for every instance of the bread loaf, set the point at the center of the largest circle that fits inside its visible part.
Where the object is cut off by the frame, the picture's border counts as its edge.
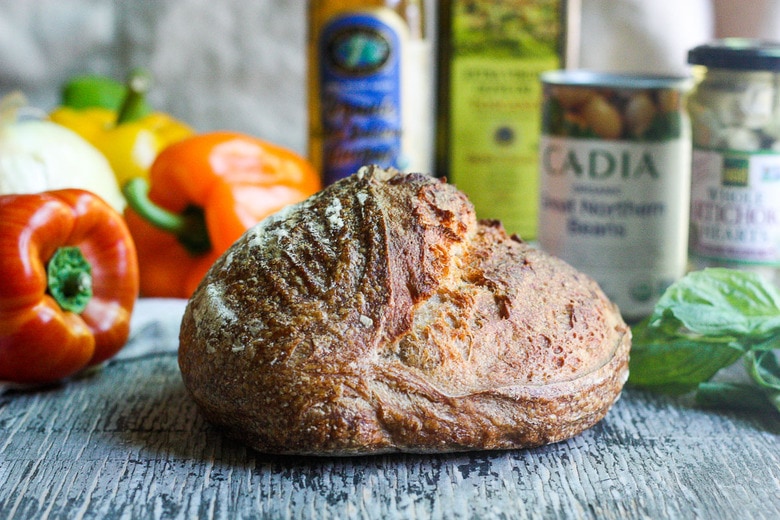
(380, 316)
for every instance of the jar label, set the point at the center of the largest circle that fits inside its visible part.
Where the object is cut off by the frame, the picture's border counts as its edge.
(735, 206)
(360, 73)
(618, 211)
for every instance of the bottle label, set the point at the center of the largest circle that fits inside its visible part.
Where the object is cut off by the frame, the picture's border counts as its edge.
(498, 51)
(494, 137)
(360, 74)
(735, 206)
(618, 211)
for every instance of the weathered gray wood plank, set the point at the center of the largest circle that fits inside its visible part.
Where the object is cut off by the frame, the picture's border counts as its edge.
(127, 442)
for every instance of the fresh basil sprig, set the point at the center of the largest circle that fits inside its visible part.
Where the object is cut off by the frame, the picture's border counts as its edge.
(703, 323)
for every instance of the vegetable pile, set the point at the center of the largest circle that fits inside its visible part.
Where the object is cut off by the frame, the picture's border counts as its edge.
(705, 323)
(105, 200)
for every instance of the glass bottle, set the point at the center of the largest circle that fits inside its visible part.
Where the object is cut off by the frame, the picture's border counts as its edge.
(370, 85)
(490, 56)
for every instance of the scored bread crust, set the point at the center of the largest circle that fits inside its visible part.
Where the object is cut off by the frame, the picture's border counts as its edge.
(379, 315)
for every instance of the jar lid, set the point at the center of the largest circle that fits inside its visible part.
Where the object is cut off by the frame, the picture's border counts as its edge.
(737, 54)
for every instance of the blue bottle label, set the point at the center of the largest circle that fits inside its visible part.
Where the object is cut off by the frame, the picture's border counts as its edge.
(360, 74)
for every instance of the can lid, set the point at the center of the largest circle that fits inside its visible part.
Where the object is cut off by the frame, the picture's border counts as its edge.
(737, 54)
(620, 80)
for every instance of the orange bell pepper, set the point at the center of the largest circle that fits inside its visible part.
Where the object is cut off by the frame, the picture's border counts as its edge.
(203, 193)
(69, 283)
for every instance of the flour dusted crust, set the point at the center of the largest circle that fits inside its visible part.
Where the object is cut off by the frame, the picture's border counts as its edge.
(380, 316)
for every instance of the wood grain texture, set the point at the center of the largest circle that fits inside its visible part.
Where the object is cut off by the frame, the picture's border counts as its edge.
(128, 442)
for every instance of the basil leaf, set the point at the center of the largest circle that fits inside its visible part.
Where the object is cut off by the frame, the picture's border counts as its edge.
(720, 301)
(774, 399)
(703, 323)
(772, 343)
(734, 396)
(764, 369)
(677, 364)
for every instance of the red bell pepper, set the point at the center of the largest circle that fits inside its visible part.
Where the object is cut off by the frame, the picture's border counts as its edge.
(70, 280)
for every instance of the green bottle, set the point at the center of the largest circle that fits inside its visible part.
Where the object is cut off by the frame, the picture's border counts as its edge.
(490, 55)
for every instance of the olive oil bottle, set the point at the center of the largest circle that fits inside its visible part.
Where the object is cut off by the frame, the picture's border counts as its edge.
(370, 85)
(490, 56)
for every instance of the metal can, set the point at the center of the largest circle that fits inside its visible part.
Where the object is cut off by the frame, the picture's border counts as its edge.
(735, 185)
(615, 162)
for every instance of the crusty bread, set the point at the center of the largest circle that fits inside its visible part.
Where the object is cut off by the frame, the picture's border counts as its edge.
(380, 316)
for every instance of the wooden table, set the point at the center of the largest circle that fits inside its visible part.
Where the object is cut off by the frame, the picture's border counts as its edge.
(127, 442)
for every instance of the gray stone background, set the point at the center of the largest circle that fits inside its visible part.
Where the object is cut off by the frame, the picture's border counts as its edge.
(241, 64)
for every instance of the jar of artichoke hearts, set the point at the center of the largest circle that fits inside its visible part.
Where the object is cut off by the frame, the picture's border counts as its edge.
(615, 159)
(735, 185)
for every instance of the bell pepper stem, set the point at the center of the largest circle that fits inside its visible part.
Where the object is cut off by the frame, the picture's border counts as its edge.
(136, 192)
(69, 277)
(134, 104)
(189, 227)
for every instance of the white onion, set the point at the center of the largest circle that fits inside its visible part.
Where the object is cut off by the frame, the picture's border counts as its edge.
(39, 155)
